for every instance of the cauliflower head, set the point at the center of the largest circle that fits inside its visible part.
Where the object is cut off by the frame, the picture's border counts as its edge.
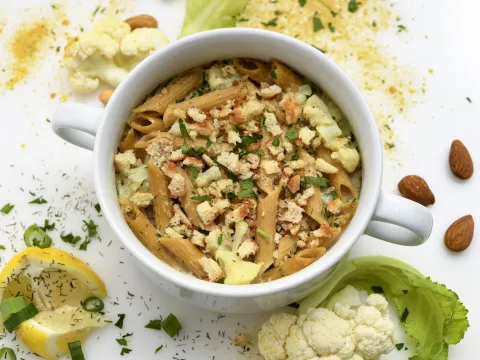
(349, 330)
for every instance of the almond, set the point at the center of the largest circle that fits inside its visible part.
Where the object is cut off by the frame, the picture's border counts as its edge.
(105, 96)
(142, 21)
(413, 187)
(460, 234)
(460, 161)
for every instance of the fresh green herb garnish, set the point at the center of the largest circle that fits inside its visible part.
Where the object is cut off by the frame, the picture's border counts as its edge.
(183, 129)
(260, 153)
(274, 74)
(91, 228)
(119, 322)
(262, 120)
(272, 22)
(7, 208)
(39, 200)
(246, 189)
(276, 142)
(334, 196)
(121, 341)
(352, 6)
(374, 23)
(185, 147)
(404, 316)
(399, 346)
(70, 238)
(154, 324)
(75, 348)
(125, 351)
(291, 133)
(16, 318)
(317, 24)
(315, 181)
(302, 2)
(98, 208)
(295, 157)
(158, 349)
(209, 143)
(469, 100)
(93, 304)
(247, 140)
(84, 244)
(34, 236)
(259, 97)
(171, 325)
(47, 226)
(220, 239)
(201, 198)
(263, 234)
(194, 171)
(219, 140)
(331, 27)
(401, 28)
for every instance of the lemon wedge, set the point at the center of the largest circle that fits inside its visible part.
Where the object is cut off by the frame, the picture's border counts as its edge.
(56, 282)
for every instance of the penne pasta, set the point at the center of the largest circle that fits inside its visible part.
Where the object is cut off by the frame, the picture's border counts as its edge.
(129, 142)
(314, 207)
(284, 77)
(178, 89)
(341, 181)
(266, 228)
(147, 234)
(145, 124)
(204, 102)
(265, 182)
(187, 253)
(296, 263)
(286, 247)
(162, 204)
(256, 70)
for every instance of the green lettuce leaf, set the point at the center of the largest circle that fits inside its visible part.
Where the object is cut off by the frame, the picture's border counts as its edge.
(201, 15)
(432, 314)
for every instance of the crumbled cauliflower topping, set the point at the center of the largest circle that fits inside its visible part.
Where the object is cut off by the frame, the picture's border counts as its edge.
(207, 212)
(248, 248)
(293, 214)
(252, 108)
(233, 137)
(125, 161)
(208, 160)
(306, 135)
(229, 160)
(141, 200)
(196, 114)
(297, 164)
(208, 176)
(198, 238)
(349, 158)
(177, 155)
(159, 149)
(307, 194)
(324, 167)
(271, 124)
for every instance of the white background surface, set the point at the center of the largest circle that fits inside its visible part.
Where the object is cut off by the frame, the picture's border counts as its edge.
(62, 174)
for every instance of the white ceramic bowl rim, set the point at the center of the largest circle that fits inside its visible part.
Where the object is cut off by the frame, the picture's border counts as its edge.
(372, 172)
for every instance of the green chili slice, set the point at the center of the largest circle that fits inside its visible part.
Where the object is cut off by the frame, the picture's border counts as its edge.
(34, 236)
(93, 304)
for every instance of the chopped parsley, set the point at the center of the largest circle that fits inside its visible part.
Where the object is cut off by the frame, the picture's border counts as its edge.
(39, 200)
(171, 325)
(219, 140)
(158, 349)
(295, 157)
(469, 100)
(331, 27)
(262, 120)
(2, 247)
(401, 28)
(220, 239)
(119, 322)
(121, 341)
(399, 346)
(248, 140)
(272, 22)
(291, 133)
(259, 97)
(302, 2)
(209, 142)
(315, 181)
(374, 23)
(98, 208)
(276, 142)
(194, 171)
(246, 189)
(154, 324)
(377, 289)
(317, 24)
(47, 226)
(263, 234)
(352, 6)
(201, 198)
(84, 244)
(274, 74)
(125, 351)
(91, 228)
(183, 128)
(260, 153)
(7, 208)
(70, 238)
(404, 316)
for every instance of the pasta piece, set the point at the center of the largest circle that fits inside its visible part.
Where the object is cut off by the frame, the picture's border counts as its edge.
(204, 102)
(255, 69)
(162, 204)
(188, 253)
(296, 263)
(284, 77)
(314, 207)
(144, 123)
(129, 142)
(264, 182)
(178, 89)
(286, 247)
(147, 234)
(341, 181)
(266, 225)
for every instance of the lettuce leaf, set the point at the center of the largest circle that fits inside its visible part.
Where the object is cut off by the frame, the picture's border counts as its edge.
(201, 15)
(431, 313)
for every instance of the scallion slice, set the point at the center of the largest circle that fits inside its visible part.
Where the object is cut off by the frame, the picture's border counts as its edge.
(93, 304)
(263, 233)
(7, 354)
(171, 325)
(76, 350)
(34, 236)
(12, 305)
(20, 316)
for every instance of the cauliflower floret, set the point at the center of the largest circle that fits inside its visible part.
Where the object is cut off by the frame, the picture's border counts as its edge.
(318, 114)
(293, 213)
(218, 79)
(271, 124)
(348, 157)
(297, 164)
(324, 167)
(270, 91)
(206, 212)
(270, 166)
(297, 346)
(273, 336)
(248, 247)
(306, 135)
(139, 44)
(141, 199)
(237, 271)
(124, 161)
(196, 114)
(198, 238)
(177, 186)
(135, 179)
(211, 240)
(229, 160)
(253, 160)
(208, 176)
(211, 267)
(111, 26)
(233, 137)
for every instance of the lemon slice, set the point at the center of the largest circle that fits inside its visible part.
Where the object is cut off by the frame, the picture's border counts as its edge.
(56, 282)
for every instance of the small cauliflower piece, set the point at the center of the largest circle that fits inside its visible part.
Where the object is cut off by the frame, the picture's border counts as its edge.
(270, 166)
(206, 212)
(233, 137)
(297, 164)
(141, 199)
(218, 79)
(297, 346)
(253, 160)
(248, 248)
(208, 160)
(126, 160)
(171, 233)
(196, 114)
(324, 167)
(241, 230)
(112, 26)
(273, 336)
(177, 186)
(211, 267)
(206, 177)
(198, 238)
(135, 179)
(271, 91)
(211, 240)
(139, 44)
(349, 158)
(306, 135)
(238, 272)
(271, 124)
(319, 116)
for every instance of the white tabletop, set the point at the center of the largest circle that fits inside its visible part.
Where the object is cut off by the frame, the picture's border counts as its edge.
(441, 36)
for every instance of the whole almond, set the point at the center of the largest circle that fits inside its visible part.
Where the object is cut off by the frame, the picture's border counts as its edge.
(413, 187)
(142, 21)
(460, 160)
(105, 96)
(460, 234)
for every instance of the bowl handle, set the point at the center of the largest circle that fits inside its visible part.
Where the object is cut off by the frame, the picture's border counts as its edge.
(77, 123)
(400, 221)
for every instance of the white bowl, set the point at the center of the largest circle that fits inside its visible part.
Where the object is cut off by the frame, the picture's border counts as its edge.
(383, 216)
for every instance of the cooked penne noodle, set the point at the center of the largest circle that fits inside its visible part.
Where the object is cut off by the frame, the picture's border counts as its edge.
(162, 204)
(187, 253)
(341, 181)
(129, 142)
(294, 264)
(266, 225)
(180, 87)
(265, 182)
(256, 70)
(145, 124)
(204, 102)
(314, 207)
(284, 77)
(286, 247)
(147, 234)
